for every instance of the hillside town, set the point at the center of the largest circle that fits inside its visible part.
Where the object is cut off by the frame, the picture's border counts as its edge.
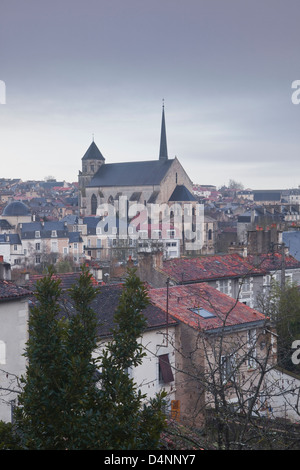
(250, 239)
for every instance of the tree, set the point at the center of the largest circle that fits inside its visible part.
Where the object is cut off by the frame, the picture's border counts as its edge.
(62, 406)
(232, 184)
(282, 305)
(134, 425)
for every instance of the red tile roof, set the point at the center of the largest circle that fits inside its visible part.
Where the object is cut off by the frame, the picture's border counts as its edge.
(9, 291)
(206, 268)
(226, 310)
(273, 261)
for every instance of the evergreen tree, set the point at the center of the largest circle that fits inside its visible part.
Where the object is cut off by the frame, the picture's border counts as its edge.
(134, 425)
(62, 406)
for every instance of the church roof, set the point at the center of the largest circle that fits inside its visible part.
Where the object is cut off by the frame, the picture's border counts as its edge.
(93, 153)
(143, 173)
(181, 193)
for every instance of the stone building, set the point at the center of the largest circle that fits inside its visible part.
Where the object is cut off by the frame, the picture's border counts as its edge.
(146, 182)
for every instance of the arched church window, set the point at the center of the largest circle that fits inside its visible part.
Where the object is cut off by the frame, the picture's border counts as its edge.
(210, 234)
(94, 205)
(110, 200)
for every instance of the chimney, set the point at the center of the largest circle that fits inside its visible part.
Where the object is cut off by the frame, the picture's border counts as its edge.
(5, 270)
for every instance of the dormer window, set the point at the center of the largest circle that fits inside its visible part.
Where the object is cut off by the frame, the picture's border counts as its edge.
(53, 233)
(37, 234)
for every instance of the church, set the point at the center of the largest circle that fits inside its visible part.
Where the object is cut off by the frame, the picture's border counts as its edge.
(159, 181)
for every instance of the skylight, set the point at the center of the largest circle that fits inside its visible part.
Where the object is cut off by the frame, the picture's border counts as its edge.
(202, 312)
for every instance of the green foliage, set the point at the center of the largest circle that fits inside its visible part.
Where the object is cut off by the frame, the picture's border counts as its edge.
(285, 311)
(8, 438)
(134, 426)
(61, 406)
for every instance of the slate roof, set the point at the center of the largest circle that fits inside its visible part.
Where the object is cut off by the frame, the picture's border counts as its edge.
(145, 173)
(181, 193)
(226, 310)
(28, 229)
(75, 237)
(93, 153)
(292, 241)
(16, 208)
(9, 291)
(107, 302)
(11, 238)
(67, 280)
(208, 268)
(267, 195)
(5, 225)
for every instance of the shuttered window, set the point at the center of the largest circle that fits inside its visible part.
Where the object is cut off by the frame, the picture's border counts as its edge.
(165, 371)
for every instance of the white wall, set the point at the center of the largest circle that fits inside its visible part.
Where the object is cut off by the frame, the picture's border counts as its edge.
(284, 390)
(14, 334)
(146, 375)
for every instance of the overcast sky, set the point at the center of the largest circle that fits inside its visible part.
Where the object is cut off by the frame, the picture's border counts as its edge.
(224, 68)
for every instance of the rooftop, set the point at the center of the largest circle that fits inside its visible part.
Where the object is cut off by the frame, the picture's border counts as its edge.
(9, 291)
(203, 307)
(144, 173)
(205, 268)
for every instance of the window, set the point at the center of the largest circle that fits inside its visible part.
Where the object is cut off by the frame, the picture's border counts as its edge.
(210, 234)
(251, 348)
(224, 286)
(54, 247)
(165, 374)
(94, 205)
(37, 246)
(245, 284)
(37, 259)
(53, 233)
(203, 313)
(15, 247)
(2, 352)
(37, 234)
(99, 242)
(227, 368)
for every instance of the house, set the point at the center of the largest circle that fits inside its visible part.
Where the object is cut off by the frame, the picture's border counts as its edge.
(11, 249)
(44, 242)
(14, 311)
(230, 274)
(16, 213)
(267, 197)
(157, 370)
(218, 343)
(279, 267)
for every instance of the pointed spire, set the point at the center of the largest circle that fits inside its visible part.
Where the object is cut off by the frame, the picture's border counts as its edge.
(163, 151)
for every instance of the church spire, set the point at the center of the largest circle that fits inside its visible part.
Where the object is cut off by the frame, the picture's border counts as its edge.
(163, 151)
